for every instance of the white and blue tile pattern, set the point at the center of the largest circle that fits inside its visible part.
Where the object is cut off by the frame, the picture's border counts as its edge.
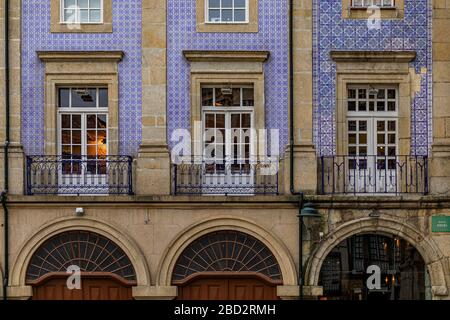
(126, 37)
(331, 32)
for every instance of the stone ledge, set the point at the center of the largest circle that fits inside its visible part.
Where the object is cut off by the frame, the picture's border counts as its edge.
(373, 56)
(221, 56)
(77, 56)
(155, 293)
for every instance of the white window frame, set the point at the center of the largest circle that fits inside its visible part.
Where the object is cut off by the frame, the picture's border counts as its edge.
(83, 112)
(368, 3)
(207, 21)
(77, 21)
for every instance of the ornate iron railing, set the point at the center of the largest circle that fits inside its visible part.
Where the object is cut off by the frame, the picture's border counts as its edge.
(373, 174)
(77, 175)
(201, 177)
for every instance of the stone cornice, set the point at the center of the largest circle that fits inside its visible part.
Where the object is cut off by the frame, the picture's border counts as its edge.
(80, 56)
(373, 56)
(225, 56)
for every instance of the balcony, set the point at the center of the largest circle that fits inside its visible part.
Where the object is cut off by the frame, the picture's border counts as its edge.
(203, 178)
(359, 175)
(79, 175)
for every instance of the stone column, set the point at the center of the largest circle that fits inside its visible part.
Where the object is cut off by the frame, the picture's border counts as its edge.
(305, 161)
(16, 156)
(440, 156)
(153, 162)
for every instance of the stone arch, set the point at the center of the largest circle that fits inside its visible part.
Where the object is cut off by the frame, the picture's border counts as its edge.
(20, 266)
(427, 248)
(194, 232)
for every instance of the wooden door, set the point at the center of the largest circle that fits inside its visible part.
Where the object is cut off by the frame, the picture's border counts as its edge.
(227, 289)
(91, 289)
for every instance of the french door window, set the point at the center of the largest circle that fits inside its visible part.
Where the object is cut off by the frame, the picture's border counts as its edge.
(83, 123)
(81, 11)
(368, 3)
(372, 135)
(227, 123)
(223, 11)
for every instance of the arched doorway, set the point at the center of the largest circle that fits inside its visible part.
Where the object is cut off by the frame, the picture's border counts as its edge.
(106, 271)
(227, 265)
(403, 273)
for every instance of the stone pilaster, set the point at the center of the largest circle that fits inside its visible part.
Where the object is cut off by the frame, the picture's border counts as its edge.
(16, 156)
(440, 157)
(305, 160)
(153, 163)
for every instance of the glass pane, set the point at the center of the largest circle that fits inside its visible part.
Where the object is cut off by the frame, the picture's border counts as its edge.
(381, 94)
(227, 15)
(65, 121)
(248, 99)
(227, 3)
(363, 151)
(239, 15)
(351, 93)
(76, 150)
(362, 125)
(63, 98)
(95, 4)
(214, 15)
(91, 137)
(235, 121)
(220, 121)
(239, 3)
(76, 121)
(352, 150)
(214, 3)
(101, 150)
(381, 151)
(381, 106)
(363, 138)
(392, 151)
(381, 139)
(69, 3)
(223, 98)
(92, 150)
(381, 126)
(70, 15)
(84, 16)
(236, 97)
(246, 123)
(391, 94)
(84, 98)
(352, 126)
(362, 94)
(103, 98)
(352, 106)
(65, 137)
(207, 97)
(209, 121)
(391, 125)
(352, 138)
(101, 137)
(391, 106)
(76, 137)
(83, 3)
(66, 150)
(94, 16)
(101, 121)
(391, 138)
(362, 106)
(92, 121)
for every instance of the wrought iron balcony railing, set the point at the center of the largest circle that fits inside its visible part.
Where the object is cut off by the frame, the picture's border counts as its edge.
(79, 175)
(373, 174)
(201, 177)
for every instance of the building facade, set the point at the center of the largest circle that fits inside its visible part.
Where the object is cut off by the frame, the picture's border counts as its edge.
(179, 149)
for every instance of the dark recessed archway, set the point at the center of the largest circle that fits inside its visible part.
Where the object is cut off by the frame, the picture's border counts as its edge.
(403, 275)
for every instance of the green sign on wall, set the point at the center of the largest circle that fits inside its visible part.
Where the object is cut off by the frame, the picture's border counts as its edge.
(440, 224)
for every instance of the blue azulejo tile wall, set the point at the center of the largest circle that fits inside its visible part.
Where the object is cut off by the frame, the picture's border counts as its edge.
(332, 32)
(126, 37)
(272, 36)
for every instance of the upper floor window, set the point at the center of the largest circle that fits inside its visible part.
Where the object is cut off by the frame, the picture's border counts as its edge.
(227, 11)
(368, 3)
(81, 11)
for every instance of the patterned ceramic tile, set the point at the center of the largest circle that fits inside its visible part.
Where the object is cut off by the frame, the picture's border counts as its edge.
(331, 32)
(272, 36)
(37, 37)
